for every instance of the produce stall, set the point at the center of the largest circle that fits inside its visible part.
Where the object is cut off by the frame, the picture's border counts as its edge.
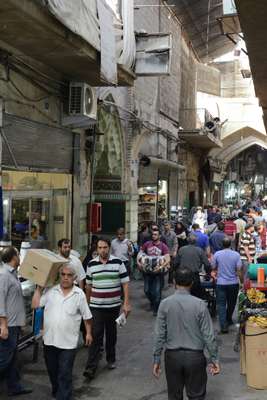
(253, 327)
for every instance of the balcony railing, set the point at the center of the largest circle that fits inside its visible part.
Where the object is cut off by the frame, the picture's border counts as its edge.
(199, 119)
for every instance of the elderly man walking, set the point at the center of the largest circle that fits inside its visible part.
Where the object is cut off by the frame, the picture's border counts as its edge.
(184, 327)
(65, 305)
(12, 318)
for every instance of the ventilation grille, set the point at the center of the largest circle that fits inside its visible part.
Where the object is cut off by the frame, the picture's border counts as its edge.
(75, 100)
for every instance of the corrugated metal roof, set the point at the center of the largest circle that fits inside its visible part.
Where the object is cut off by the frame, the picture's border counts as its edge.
(199, 19)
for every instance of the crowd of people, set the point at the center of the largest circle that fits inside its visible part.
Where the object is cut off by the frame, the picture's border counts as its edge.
(217, 245)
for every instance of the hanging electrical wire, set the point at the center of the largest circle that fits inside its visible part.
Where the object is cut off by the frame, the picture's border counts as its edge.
(36, 100)
(32, 106)
(208, 31)
(146, 124)
(37, 71)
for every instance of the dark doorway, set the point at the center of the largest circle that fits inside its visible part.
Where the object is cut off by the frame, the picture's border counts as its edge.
(192, 199)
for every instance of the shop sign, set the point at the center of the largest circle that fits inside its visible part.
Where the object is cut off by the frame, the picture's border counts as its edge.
(110, 196)
(59, 219)
(107, 186)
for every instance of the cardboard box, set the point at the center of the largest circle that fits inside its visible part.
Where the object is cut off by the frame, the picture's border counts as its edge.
(41, 267)
(256, 356)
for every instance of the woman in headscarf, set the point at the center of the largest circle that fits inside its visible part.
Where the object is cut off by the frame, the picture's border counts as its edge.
(181, 233)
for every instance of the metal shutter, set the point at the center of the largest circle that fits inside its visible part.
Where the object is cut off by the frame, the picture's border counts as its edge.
(36, 146)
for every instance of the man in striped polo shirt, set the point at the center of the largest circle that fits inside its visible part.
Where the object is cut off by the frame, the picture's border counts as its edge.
(105, 277)
(247, 247)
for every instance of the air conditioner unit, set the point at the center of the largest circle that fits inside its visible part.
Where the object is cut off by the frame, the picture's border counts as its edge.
(82, 106)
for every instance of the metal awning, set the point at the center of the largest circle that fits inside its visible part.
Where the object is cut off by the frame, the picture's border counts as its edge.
(165, 164)
(199, 139)
(156, 168)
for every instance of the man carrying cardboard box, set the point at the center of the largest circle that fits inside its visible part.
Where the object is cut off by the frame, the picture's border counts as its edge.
(12, 318)
(65, 305)
(64, 247)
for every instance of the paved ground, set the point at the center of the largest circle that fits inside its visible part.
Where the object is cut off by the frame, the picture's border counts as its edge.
(133, 380)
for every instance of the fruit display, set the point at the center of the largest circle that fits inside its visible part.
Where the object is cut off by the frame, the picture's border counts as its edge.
(259, 320)
(255, 296)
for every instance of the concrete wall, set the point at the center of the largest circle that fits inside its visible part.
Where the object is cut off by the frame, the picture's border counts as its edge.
(154, 95)
(238, 103)
(208, 79)
(188, 86)
(232, 82)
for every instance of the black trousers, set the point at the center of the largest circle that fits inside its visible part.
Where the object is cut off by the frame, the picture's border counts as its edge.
(171, 271)
(196, 289)
(104, 322)
(186, 369)
(226, 301)
(8, 351)
(59, 364)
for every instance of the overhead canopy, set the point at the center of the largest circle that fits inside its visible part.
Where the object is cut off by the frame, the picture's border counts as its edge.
(199, 19)
(79, 16)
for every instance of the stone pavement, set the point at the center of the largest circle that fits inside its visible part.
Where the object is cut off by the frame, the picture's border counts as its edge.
(132, 380)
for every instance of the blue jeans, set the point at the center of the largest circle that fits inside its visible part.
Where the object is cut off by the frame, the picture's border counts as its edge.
(226, 302)
(152, 289)
(59, 364)
(8, 350)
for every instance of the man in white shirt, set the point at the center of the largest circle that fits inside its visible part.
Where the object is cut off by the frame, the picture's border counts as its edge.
(240, 228)
(64, 248)
(65, 305)
(122, 248)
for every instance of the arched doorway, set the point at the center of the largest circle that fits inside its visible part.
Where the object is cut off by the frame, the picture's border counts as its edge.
(109, 168)
(243, 159)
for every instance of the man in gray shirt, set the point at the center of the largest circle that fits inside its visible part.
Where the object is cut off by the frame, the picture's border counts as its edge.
(194, 258)
(12, 318)
(185, 328)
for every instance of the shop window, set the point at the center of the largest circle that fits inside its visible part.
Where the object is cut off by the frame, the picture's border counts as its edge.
(36, 208)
